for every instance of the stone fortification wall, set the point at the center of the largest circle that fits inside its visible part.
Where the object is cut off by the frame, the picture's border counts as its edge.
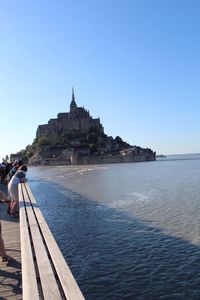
(92, 160)
(87, 160)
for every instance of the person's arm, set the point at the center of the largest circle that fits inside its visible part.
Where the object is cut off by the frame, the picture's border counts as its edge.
(21, 175)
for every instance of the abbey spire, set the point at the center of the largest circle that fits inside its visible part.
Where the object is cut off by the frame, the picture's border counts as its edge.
(73, 102)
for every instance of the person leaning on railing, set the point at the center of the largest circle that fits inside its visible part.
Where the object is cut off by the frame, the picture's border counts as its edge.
(13, 169)
(19, 176)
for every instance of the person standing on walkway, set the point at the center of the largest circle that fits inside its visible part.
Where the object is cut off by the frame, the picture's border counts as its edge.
(15, 166)
(4, 257)
(19, 176)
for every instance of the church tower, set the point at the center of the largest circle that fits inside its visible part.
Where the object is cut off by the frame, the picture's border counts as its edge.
(73, 105)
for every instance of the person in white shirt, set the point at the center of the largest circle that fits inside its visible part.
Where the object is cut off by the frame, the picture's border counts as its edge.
(19, 176)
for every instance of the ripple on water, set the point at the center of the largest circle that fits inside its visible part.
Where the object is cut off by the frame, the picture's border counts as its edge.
(128, 236)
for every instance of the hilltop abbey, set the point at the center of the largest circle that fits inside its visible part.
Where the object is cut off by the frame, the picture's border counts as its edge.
(76, 121)
(75, 137)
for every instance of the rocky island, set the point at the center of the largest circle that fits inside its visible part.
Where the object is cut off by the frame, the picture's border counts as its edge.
(75, 137)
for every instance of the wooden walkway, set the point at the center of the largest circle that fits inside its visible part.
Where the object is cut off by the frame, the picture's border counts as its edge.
(10, 273)
(40, 253)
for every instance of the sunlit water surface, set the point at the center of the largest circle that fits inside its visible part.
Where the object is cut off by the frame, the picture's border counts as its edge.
(127, 231)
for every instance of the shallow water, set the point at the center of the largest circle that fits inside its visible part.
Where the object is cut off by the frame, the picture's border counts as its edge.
(127, 231)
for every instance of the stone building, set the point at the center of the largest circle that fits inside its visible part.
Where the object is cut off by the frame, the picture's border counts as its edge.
(75, 137)
(76, 121)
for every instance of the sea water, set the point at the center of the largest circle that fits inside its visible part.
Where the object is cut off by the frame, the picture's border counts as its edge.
(127, 231)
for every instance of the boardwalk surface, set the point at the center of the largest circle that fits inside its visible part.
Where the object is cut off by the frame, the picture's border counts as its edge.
(10, 273)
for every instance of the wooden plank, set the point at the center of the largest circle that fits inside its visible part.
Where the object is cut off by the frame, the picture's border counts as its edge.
(21, 198)
(69, 284)
(22, 215)
(29, 280)
(31, 217)
(29, 283)
(25, 196)
(31, 197)
(48, 281)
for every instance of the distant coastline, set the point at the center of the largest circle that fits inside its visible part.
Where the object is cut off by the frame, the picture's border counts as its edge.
(191, 156)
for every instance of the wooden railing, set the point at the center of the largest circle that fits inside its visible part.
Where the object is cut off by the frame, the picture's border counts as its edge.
(45, 273)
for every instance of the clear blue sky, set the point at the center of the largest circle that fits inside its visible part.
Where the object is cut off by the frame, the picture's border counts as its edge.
(134, 64)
